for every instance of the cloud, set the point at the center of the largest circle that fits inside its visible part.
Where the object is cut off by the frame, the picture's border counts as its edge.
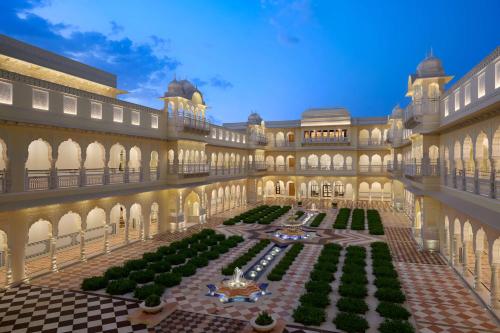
(221, 83)
(288, 39)
(142, 68)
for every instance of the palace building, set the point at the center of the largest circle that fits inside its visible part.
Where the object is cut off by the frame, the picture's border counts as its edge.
(83, 172)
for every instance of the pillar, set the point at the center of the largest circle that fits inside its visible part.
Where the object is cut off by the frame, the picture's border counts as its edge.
(83, 256)
(106, 237)
(455, 250)
(495, 288)
(478, 286)
(142, 230)
(52, 253)
(465, 258)
(127, 230)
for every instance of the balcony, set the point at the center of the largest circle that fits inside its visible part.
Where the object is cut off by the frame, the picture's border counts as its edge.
(189, 169)
(36, 180)
(258, 166)
(189, 122)
(226, 171)
(325, 140)
(372, 142)
(325, 168)
(417, 168)
(481, 182)
(260, 140)
(377, 168)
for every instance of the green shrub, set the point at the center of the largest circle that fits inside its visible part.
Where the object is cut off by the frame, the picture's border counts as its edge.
(321, 275)
(385, 271)
(212, 255)
(351, 323)
(309, 315)
(318, 300)
(342, 218)
(199, 261)
(390, 295)
(352, 305)
(317, 220)
(354, 278)
(152, 256)
(147, 290)
(400, 326)
(94, 283)
(358, 219)
(142, 276)
(318, 287)
(200, 247)
(152, 300)
(393, 311)
(353, 290)
(120, 287)
(176, 259)
(166, 250)
(282, 267)
(387, 282)
(135, 265)
(159, 266)
(114, 273)
(168, 279)
(187, 269)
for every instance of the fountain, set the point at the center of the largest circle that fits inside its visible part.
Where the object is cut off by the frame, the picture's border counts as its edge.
(237, 289)
(292, 229)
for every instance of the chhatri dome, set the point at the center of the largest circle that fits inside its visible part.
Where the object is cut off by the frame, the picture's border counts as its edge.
(254, 119)
(430, 66)
(183, 88)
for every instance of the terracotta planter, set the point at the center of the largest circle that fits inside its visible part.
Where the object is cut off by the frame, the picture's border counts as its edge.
(151, 309)
(263, 328)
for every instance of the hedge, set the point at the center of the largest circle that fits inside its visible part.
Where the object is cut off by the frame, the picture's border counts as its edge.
(400, 326)
(351, 322)
(342, 218)
(393, 311)
(147, 290)
(358, 219)
(282, 267)
(246, 257)
(318, 219)
(375, 225)
(120, 287)
(94, 283)
(309, 315)
(352, 305)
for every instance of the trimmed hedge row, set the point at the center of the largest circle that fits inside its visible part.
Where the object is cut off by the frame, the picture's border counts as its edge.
(263, 215)
(375, 225)
(317, 220)
(358, 219)
(353, 291)
(389, 291)
(342, 218)
(246, 257)
(311, 310)
(151, 274)
(282, 267)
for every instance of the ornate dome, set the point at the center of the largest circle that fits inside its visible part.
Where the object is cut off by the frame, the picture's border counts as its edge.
(430, 66)
(254, 119)
(182, 88)
(397, 112)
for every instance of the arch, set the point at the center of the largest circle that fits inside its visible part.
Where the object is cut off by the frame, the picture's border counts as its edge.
(325, 162)
(303, 163)
(338, 162)
(220, 200)
(303, 190)
(457, 154)
(38, 247)
(3, 155)
(134, 159)
(68, 155)
(376, 191)
(348, 162)
(117, 158)
(153, 162)
(447, 237)
(39, 155)
(192, 205)
(433, 154)
(364, 191)
(270, 162)
(376, 163)
(312, 161)
(290, 188)
(468, 154)
(364, 136)
(280, 163)
(95, 224)
(227, 198)
(376, 137)
(280, 139)
(269, 188)
(364, 163)
(69, 236)
(290, 162)
(482, 155)
(349, 194)
(495, 252)
(135, 222)
(95, 156)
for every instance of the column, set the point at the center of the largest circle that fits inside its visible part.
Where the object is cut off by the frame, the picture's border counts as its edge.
(83, 256)
(52, 253)
(493, 192)
(478, 286)
(106, 237)
(465, 258)
(476, 176)
(455, 250)
(142, 231)
(495, 288)
(127, 230)
(9, 266)
(83, 156)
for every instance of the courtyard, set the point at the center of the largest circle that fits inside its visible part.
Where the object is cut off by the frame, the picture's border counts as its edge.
(435, 298)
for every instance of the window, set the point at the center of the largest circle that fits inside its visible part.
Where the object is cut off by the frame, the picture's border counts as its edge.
(467, 94)
(5, 92)
(40, 99)
(481, 89)
(446, 110)
(497, 74)
(154, 121)
(327, 190)
(117, 114)
(278, 189)
(95, 110)
(457, 100)
(314, 190)
(69, 105)
(135, 118)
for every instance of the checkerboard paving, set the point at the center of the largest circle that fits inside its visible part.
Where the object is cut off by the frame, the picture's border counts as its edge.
(27, 308)
(190, 322)
(438, 298)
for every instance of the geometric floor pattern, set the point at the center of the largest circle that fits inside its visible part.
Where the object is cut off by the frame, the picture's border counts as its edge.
(28, 308)
(438, 299)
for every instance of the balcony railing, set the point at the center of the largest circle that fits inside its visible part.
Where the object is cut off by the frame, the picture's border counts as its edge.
(325, 168)
(376, 168)
(482, 182)
(35, 180)
(370, 142)
(226, 171)
(325, 139)
(258, 139)
(188, 121)
(417, 169)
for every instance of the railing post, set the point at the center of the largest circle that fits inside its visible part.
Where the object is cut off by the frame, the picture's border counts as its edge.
(476, 177)
(106, 175)
(493, 180)
(53, 179)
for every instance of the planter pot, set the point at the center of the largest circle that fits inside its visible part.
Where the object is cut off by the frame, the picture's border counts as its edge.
(151, 309)
(263, 328)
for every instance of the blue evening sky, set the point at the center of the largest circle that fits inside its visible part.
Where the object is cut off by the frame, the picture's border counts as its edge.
(271, 56)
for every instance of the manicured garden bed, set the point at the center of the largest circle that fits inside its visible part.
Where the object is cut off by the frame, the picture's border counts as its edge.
(375, 225)
(164, 268)
(246, 257)
(263, 215)
(358, 219)
(389, 291)
(342, 218)
(317, 220)
(282, 267)
(311, 310)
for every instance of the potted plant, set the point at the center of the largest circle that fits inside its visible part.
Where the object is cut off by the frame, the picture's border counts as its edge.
(152, 304)
(264, 322)
(299, 203)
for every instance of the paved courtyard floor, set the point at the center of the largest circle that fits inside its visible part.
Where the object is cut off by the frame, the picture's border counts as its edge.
(437, 298)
